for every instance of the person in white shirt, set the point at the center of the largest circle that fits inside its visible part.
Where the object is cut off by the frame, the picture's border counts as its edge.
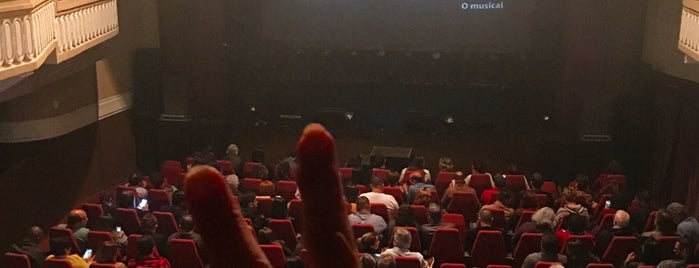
(377, 196)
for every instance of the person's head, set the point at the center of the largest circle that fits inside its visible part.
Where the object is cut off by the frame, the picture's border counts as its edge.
(621, 218)
(678, 212)
(401, 238)
(499, 181)
(279, 208)
(149, 224)
(34, 234)
(680, 250)
(106, 198)
(537, 180)
(247, 200)
(404, 215)
(549, 244)
(643, 198)
(417, 177)
(368, 243)
(283, 171)
(363, 204)
(543, 217)
(664, 223)
(266, 188)
(459, 178)
(60, 246)
(126, 199)
(178, 198)
(435, 212)
(187, 224)
(107, 252)
(477, 167)
(576, 224)
(651, 253)
(504, 197)
(583, 182)
(445, 164)
(232, 150)
(393, 178)
(367, 261)
(386, 261)
(576, 250)
(571, 197)
(266, 236)
(77, 219)
(137, 179)
(105, 223)
(512, 169)
(377, 184)
(260, 172)
(145, 245)
(486, 217)
(156, 179)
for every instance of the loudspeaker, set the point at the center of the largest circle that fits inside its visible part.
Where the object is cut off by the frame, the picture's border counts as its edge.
(396, 158)
(175, 97)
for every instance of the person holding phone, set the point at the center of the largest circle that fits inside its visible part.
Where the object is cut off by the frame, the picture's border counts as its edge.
(61, 248)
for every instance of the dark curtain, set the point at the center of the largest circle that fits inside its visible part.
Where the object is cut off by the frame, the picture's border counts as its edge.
(676, 170)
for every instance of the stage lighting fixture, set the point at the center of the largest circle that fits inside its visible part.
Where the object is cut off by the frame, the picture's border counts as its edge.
(546, 118)
(252, 108)
(449, 120)
(349, 115)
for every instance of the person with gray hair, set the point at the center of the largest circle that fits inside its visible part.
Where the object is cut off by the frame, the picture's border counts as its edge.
(620, 228)
(234, 157)
(401, 242)
(542, 221)
(687, 227)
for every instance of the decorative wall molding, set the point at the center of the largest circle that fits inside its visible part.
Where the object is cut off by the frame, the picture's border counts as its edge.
(46, 128)
(688, 41)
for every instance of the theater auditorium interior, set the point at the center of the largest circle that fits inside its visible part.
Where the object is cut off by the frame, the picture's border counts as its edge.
(95, 91)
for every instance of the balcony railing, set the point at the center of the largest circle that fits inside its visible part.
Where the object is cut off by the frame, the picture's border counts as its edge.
(34, 32)
(26, 38)
(689, 29)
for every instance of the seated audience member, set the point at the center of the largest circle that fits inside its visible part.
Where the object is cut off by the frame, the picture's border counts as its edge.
(369, 243)
(285, 168)
(541, 222)
(405, 217)
(248, 205)
(159, 182)
(266, 236)
(260, 171)
(178, 208)
(500, 184)
(126, 199)
(682, 257)
(664, 225)
(106, 200)
(77, 220)
(377, 196)
(445, 164)
(234, 158)
(418, 183)
(401, 242)
(367, 261)
(393, 179)
(548, 253)
(479, 168)
(650, 254)
(60, 249)
(485, 222)
(386, 261)
(146, 256)
(107, 254)
(536, 183)
(621, 228)
(29, 246)
(279, 209)
(571, 207)
(187, 232)
(639, 210)
(149, 225)
(350, 190)
(581, 185)
(575, 225)
(234, 184)
(434, 222)
(458, 186)
(579, 256)
(107, 223)
(364, 216)
(687, 226)
(417, 164)
(139, 183)
(502, 203)
(267, 189)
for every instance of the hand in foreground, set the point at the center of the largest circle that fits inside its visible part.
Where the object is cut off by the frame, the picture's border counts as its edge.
(230, 241)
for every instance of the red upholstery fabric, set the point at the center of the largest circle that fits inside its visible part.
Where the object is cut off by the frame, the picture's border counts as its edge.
(361, 229)
(93, 211)
(173, 172)
(489, 248)
(441, 183)
(650, 222)
(464, 204)
(551, 188)
(381, 173)
(128, 219)
(667, 246)
(226, 167)
(480, 182)
(57, 263)
(361, 188)
(248, 167)
(544, 264)
(96, 238)
(420, 213)
(166, 223)
(526, 216)
(606, 222)
(587, 240)
(251, 185)
(287, 189)
(396, 192)
(446, 246)
(452, 265)
(158, 198)
(618, 249)
(516, 183)
(528, 244)
(380, 209)
(458, 221)
(275, 254)
(183, 253)
(408, 262)
(17, 260)
(284, 230)
(345, 173)
(67, 233)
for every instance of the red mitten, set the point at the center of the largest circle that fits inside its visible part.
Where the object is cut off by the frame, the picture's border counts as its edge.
(326, 230)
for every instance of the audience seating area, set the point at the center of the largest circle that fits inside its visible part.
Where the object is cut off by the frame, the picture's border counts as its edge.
(446, 249)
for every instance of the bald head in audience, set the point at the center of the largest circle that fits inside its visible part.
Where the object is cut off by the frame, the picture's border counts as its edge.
(621, 218)
(486, 217)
